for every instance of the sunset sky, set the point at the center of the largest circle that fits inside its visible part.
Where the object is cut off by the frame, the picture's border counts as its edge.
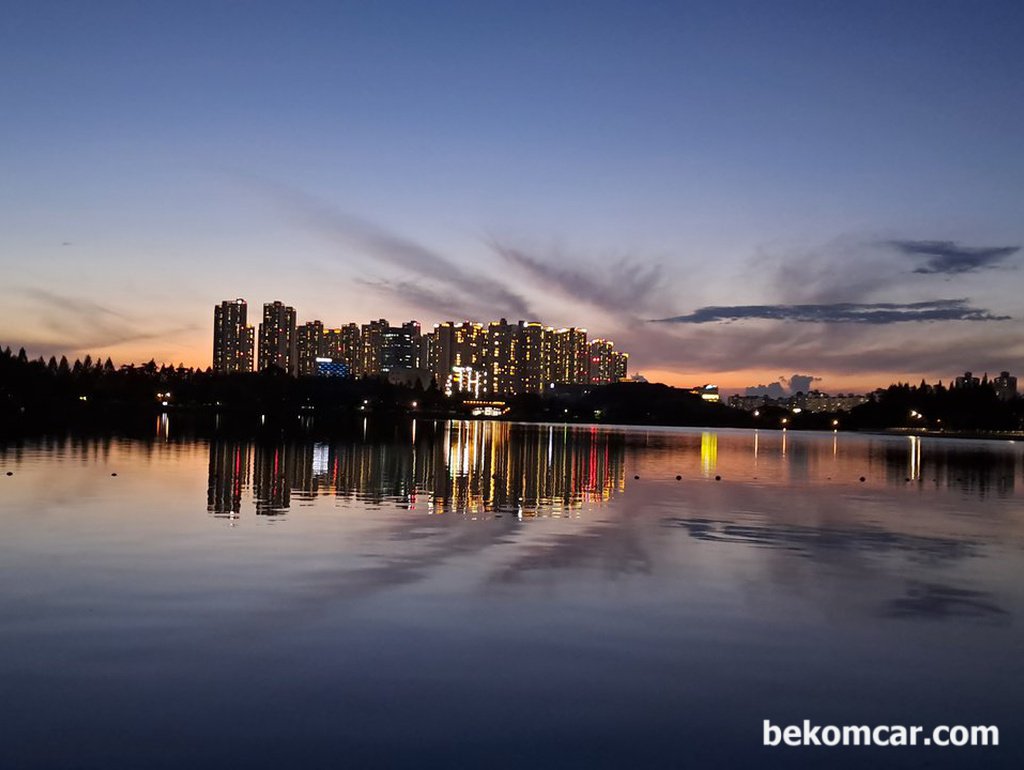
(734, 192)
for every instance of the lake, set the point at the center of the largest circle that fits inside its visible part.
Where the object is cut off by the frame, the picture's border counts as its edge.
(484, 594)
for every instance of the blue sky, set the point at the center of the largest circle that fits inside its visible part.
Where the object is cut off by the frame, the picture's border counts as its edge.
(350, 158)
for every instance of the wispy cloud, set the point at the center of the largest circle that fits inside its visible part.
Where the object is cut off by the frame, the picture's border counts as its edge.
(70, 324)
(623, 286)
(395, 250)
(951, 258)
(841, 312)
(436, 301)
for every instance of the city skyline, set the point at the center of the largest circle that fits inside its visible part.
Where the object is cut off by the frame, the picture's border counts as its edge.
(735, 194)
(482, 359)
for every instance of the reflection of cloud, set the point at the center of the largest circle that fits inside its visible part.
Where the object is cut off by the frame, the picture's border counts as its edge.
(614, 549)
(950, 258)
(939, 602)
(806, 541)
(841, 312)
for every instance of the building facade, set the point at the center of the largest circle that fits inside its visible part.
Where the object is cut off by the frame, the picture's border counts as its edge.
(309, 346)
(277, 338)
(233, 338)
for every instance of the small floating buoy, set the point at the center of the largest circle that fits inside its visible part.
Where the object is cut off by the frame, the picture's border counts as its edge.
(863, 479)
(113, 474)
(679, 478)
(636, 477)
(10, 473)
(718, 478)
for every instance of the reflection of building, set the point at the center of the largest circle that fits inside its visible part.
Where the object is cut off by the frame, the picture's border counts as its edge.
(459, 466)
(274, 474)
(1005, 386)
(277, 338)
(229, 475)
(232, 337)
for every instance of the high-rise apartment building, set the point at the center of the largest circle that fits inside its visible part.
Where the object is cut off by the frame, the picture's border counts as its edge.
(499, 359)
(456, 345)
(968, 380)
(1005, 386)
(277, 338)
(533, 357)
(232, 337)
(400, 348)
(606, 363)
(309, 346)
(352, 348)
(570, 357)
(372, 338)
(334, 344)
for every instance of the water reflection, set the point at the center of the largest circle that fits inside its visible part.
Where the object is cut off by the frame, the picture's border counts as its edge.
(494, 468)
(467, 467)
(660, 613)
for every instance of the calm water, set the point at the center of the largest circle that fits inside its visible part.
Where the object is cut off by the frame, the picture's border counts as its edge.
(489, 595)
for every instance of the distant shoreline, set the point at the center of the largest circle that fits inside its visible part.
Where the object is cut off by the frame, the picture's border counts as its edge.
(202, 421)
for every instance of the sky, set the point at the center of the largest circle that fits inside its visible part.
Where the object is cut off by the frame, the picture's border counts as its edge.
(738, 193)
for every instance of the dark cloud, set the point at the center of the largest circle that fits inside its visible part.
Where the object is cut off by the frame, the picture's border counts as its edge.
(625, 285)
(785, 386)
(950, 258)
(842, 312)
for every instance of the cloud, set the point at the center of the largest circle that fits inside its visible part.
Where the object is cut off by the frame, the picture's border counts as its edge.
(841, 312)
(626, 285)
(950, 258)
(70, 324)
(786, 386)
(397, 251)
(437, 302)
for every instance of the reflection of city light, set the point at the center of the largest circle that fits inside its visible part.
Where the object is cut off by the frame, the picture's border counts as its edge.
(915, 458)
(467, 467)
(321, 459)
(708, 452)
